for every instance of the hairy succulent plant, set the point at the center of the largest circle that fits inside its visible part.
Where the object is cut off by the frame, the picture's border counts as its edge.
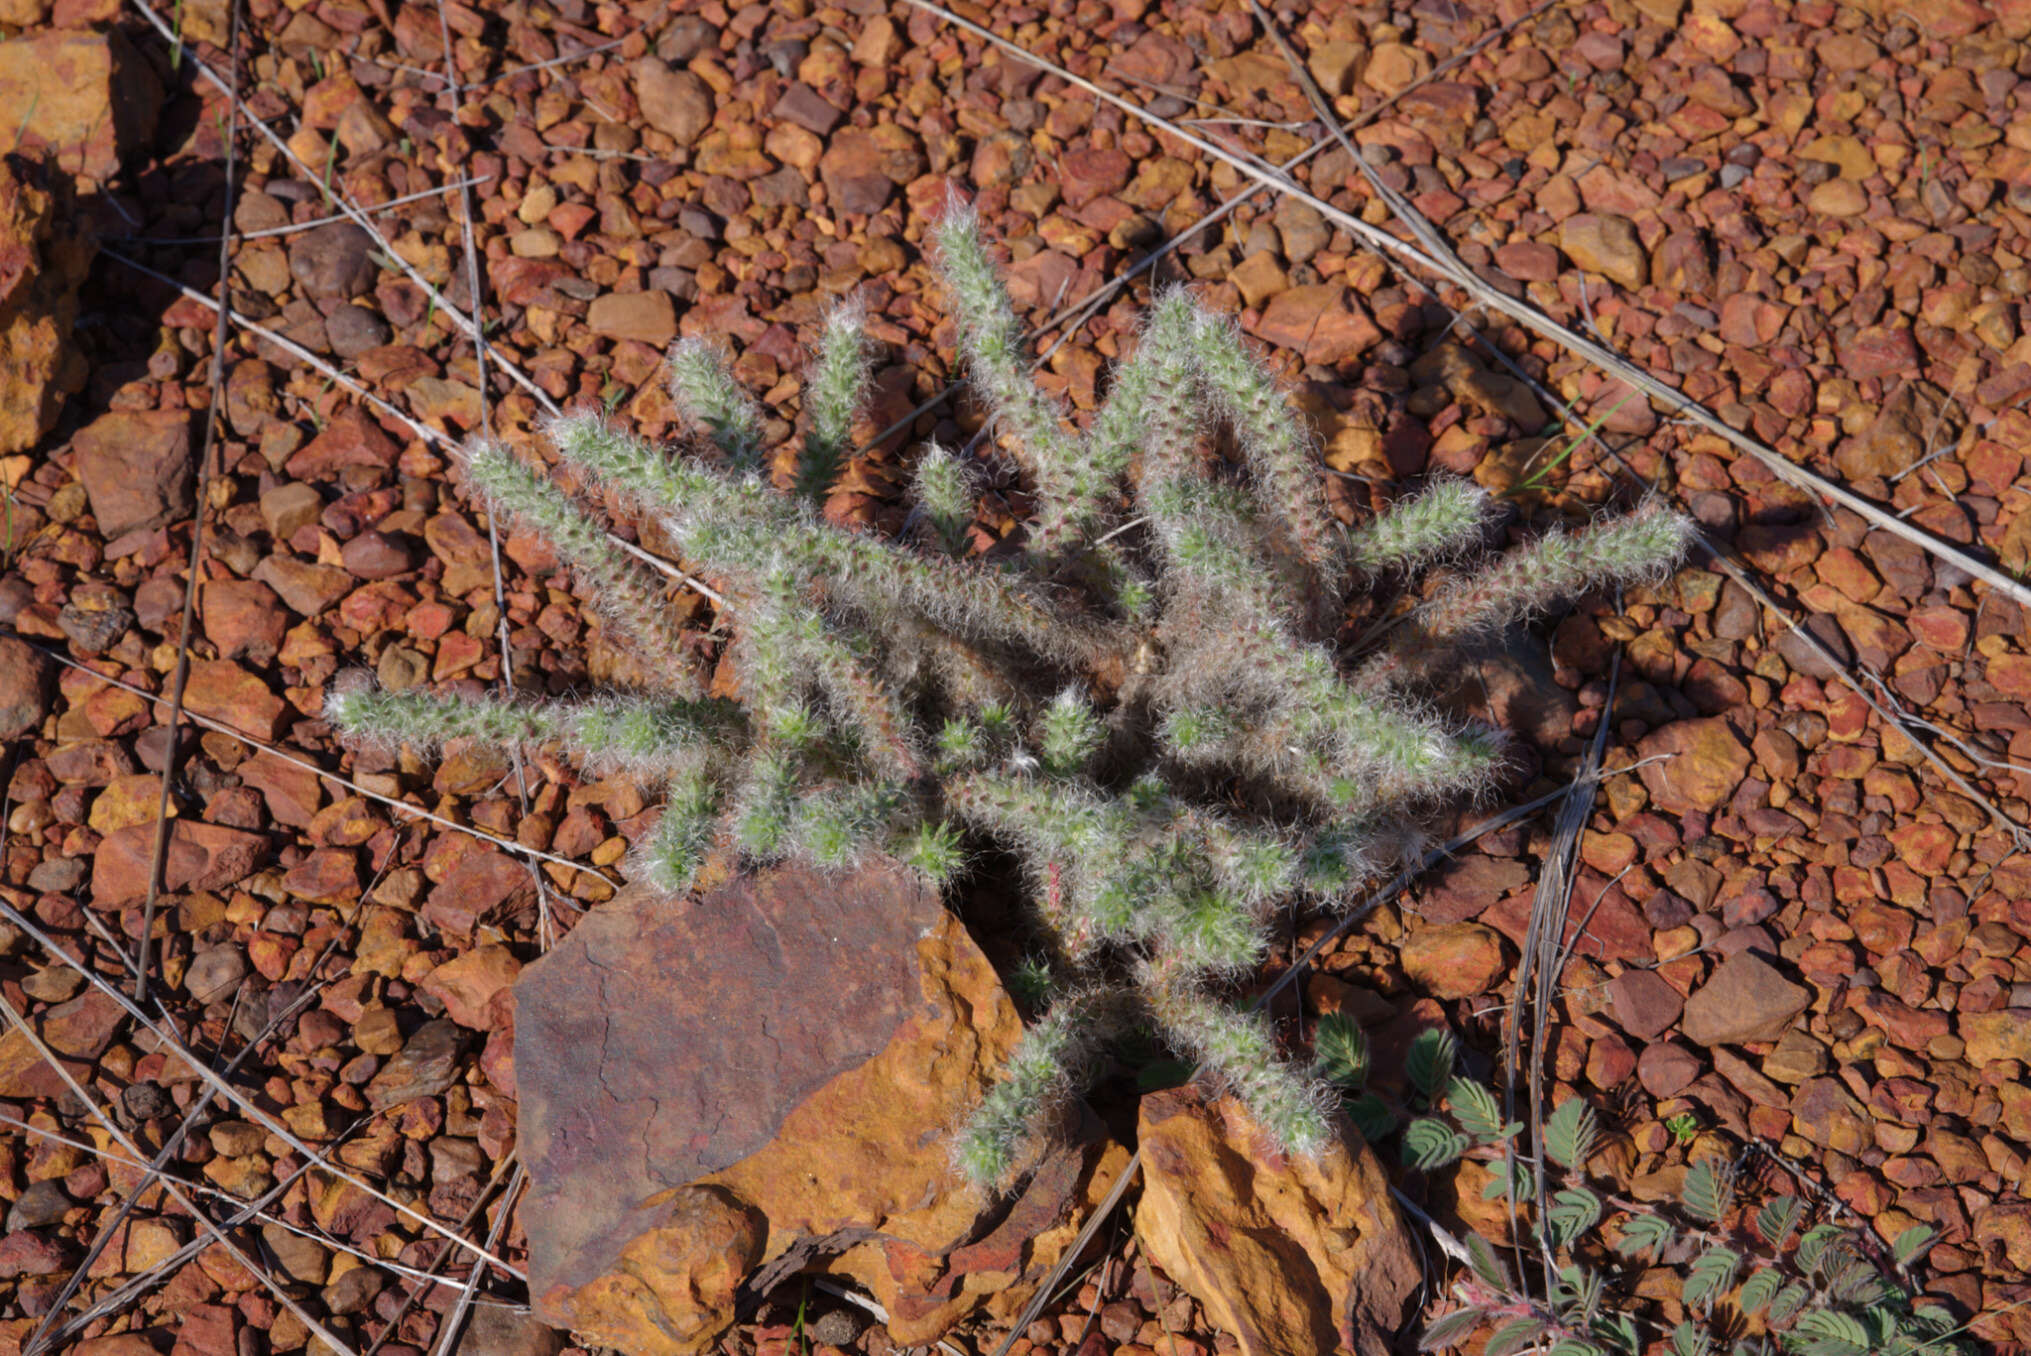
(1144, 702)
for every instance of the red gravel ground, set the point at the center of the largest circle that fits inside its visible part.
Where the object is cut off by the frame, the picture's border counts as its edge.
(1814, 219)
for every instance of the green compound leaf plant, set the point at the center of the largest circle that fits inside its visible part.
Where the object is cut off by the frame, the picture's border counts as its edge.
(1750, 1283)
(1142, 699)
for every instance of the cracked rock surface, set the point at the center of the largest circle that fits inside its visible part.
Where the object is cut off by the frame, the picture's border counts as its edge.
(762, 1076)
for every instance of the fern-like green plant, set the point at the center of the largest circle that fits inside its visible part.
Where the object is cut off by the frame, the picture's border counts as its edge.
(1144, 702)
(1766, 1288)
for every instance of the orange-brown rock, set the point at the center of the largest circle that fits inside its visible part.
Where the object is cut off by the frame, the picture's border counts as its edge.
(1696, 764)
(1285, 1254)
(1454, 960)
(41, 269)
(672, 1287)
(796, 1047)
(89, 99)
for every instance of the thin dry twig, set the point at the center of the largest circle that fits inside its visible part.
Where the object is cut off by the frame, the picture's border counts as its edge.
(507, 651)
(393, 1326)
(267, 232)
(448, 1330)
(155, 1169)
(208, 454)
(1428, 235)
(1079, 312)
(353, 214)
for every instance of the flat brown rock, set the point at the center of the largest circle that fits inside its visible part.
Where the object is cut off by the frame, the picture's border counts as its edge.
(1744, 1000)
(41, 268)
(676, 103)
(1607, 245)
(727, 1042)
(136, 466)
(1285, 1254)
(25, 683)
(2000, 1035)
(1453, 960)
(90, 97)
(200, 857)
(1702, 763)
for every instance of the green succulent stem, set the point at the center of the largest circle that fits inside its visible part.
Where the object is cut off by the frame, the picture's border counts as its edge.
(1138, 695)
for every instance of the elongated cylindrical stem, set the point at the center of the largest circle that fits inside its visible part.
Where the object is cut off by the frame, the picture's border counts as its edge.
(887, 732)
(1273, 439)
(1039, 1076)
(1070, 490)
(1638, 547)
(1442, 521)
(676, 848)
(620, 588)
(832, 398)
(652, 738)
(1241, 1049)
(707, 394)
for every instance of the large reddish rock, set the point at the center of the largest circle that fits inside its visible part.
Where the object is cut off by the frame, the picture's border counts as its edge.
(41, 268)
(88, 98)
(242, 617)
(1607, 245)
(26, 680)
(1699, 763)
(484, 884)
(768, 1076)
(1746, 999)
(862, 167)
(646, 317)
(237, 698)
(2004, 1034)
(675, 102)
(1453, 960)
(200, 857)
(1466, 887)
(1286, 1254)
(136, 468)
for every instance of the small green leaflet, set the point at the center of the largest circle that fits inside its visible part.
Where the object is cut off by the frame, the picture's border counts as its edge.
(1569, 1134)
(1517, 1182)
(1688, 1340)
(1513, 1337)
(1834, 1332)
(1573, 1212)
(1789, 1301)
(1856, 1282)
(1474, 1107)
(1644, 1233)
(1705, 1194)
(1621, 1330)
(1815, 1247)
(1911, 1243)
(1342, 1050)
(1710, 1274)
(1759, 1290)
(1576, 1288)
(1481, 1257)
(1935, 1318)
(1452, 1329)
(1429, 1061)
(1573, 1346)
(1778, 1217)
(1430, 1143)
